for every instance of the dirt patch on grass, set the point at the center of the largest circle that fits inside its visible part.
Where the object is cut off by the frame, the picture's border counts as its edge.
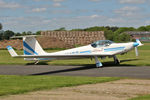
(116, 90)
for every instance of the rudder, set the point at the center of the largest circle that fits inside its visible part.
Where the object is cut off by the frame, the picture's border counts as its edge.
(32, 47)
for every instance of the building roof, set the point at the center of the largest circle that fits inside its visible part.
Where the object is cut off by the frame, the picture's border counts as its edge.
(138, 32)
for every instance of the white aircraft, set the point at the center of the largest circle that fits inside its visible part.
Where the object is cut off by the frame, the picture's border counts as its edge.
(101, 48)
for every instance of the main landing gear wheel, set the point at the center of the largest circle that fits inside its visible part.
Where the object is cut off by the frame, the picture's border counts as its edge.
(116, 60)
(36, 62)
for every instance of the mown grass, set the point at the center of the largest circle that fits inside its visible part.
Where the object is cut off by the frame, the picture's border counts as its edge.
(146, 97)
(22, 84)
(127, 59)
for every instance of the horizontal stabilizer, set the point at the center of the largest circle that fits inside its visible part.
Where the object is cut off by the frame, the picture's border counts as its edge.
(12, 51)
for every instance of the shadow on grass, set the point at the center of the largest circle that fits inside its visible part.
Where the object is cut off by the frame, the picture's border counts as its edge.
(127, 60)
(40, 63)
(112, 64)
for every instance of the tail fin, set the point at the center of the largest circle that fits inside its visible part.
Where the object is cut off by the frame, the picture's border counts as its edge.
(31, 46)
(12, 51)
(139, 42)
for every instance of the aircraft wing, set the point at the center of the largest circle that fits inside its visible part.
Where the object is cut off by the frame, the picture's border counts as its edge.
(57, 56)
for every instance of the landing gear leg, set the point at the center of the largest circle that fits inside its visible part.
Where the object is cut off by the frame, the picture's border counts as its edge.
(36, 62)
(116, 60)
(98, 63)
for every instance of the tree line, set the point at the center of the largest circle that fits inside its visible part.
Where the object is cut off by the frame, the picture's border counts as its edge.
(6, 35)
(113, 33)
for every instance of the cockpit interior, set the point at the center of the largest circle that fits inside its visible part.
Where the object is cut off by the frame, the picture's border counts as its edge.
(101, 43)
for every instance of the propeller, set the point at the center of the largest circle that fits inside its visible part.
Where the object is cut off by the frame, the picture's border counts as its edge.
(136, 44)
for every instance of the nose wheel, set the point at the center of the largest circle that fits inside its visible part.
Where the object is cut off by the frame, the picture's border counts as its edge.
(98, 63)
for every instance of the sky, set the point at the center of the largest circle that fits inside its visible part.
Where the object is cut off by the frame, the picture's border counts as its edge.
(35, 15)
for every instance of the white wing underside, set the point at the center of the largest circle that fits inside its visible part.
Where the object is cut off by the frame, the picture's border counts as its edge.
(59, 56)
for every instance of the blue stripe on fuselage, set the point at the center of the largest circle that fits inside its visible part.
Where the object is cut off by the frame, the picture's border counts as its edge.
(46, 58)
(113, 49)
(28, 47)
(86, 51)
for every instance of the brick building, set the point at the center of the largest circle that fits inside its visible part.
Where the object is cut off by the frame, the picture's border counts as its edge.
(75, 37)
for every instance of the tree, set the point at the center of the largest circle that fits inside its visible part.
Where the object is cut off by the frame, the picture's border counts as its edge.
(7, 34)
(113, 28)
(124, 37)
(61, 29)
(18, 34)
(38, 33)
(142, 28)
(1, 34)
(95, 28)
(77, 30)
(24, 33)
(123, 29)
(119, 36)
(1, 26)
(108, 35)
(148, 27)
(29, 33)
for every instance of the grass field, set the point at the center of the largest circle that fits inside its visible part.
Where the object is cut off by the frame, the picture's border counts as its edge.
(128, 59)
(21, 84)
(146, 97)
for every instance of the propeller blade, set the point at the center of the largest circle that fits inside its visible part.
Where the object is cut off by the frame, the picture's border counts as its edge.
(136, 51)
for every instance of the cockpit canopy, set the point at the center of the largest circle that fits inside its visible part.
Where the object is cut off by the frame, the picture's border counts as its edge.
(101, 43)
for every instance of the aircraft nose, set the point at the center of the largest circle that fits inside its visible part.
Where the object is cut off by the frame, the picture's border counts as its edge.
(135, 44)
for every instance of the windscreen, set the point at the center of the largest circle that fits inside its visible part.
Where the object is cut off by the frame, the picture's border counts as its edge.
(101, 43)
